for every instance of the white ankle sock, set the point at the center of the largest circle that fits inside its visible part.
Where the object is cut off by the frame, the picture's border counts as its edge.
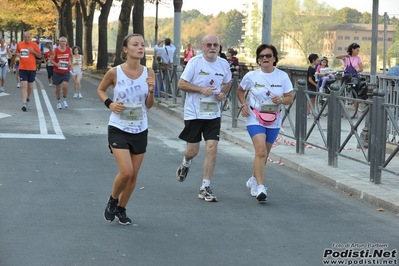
(186, 163)
(205, 183)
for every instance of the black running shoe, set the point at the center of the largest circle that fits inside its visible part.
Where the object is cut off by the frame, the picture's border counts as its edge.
(121, 215)
(111, 209)
(23, 108)
(182, 172)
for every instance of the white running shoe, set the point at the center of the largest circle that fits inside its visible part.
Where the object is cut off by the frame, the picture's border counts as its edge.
(1, 89)
(262, 194)
(75, 95)
(253, 186)
(80, 96)
(50, 84)
(64, 104)
(59, 105)
(18, 85)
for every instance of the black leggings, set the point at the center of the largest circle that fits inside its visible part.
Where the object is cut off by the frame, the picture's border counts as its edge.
(49, 71)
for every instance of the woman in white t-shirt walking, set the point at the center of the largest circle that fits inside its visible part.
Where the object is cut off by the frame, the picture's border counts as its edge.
(77, 71)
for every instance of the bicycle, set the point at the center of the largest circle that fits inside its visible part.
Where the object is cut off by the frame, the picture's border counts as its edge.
(347, 90)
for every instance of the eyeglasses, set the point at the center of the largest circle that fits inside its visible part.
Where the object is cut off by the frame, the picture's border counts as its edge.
(265, 55)
(209, 45)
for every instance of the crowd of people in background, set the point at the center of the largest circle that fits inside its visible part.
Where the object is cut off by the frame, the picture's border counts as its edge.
(25, 58)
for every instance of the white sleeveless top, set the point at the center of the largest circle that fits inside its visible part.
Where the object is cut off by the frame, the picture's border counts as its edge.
(133, 94)
(13, 47)
(3, 55)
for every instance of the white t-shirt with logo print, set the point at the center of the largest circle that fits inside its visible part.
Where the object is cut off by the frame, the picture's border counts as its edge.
(263, 87)
(206, 74)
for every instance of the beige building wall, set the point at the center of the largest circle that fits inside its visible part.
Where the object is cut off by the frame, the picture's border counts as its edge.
(337, 40)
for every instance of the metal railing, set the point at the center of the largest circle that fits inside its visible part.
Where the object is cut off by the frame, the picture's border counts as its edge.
(167, 80)
(338, 134)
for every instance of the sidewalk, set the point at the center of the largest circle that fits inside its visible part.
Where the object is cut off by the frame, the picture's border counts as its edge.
(350, 176)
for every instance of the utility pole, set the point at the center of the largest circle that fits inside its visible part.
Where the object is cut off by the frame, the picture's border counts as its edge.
(177, 31)
(267, 21)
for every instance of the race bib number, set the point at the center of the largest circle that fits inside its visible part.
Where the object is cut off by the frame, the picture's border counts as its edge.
(63, 65)
(132, 115)
(208, 106)
(268, 106)
(24, 53)
(77, 64)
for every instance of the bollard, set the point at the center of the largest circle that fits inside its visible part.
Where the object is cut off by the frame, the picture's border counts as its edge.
(333, 125)
(234, 100)
(364, 135)
(377, 136)
(300, 117)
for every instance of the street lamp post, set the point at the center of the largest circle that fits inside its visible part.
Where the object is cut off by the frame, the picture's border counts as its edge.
(155, 65)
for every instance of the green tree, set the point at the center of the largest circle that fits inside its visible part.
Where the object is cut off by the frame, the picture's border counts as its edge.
(231, 27)
(366, 18)
(347, 15)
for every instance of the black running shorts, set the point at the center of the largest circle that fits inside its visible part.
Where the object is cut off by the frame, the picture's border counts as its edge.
(135, 143)
(195, 129)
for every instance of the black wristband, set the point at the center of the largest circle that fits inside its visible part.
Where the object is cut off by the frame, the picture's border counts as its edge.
(107, 102)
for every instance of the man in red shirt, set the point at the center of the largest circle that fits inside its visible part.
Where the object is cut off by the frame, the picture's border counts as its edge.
(61, 59)
(27, 51)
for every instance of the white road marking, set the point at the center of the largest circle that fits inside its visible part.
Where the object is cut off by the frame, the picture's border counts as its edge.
(42, 119)
(2, 115)
(54, 120)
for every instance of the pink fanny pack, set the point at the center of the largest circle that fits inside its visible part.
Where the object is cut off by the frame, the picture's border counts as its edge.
(265, 118)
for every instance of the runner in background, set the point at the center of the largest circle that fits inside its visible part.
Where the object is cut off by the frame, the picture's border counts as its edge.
(77, 71)
(61, 59)
(27, 51)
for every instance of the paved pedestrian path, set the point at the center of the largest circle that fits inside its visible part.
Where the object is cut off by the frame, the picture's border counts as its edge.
(350, 176)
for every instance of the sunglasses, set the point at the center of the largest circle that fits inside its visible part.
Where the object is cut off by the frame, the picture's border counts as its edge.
(265, 55)
(209, 45)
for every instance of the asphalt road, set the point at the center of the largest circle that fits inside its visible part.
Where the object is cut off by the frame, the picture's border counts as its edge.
(55, 180)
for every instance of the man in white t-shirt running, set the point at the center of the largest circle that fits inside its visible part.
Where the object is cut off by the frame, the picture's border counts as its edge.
(205, 79)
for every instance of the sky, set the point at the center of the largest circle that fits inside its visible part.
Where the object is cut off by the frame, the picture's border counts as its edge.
(208, 7)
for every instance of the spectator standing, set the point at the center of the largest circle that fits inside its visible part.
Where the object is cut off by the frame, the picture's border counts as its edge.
(167, 52)
(128, 123)
(61, 59)
(188, 54)
(233, 60)
(27, 51)
(205, 79)
(4, 55)
(270, 89)
(49, 65)
(353, 63)
(311, 81)
(77, 71)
